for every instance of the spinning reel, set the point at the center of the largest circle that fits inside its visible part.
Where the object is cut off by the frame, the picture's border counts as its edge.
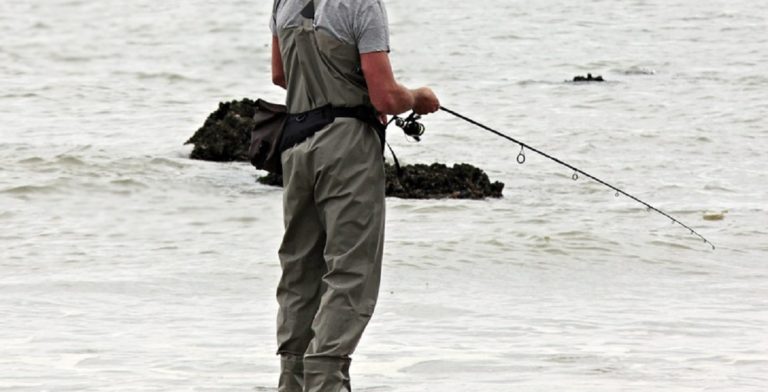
(411, 126)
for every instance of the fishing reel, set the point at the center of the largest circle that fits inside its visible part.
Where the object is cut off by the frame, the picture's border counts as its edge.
(411, 126)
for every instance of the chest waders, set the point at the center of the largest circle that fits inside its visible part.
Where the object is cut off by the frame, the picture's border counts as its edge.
(333, 205)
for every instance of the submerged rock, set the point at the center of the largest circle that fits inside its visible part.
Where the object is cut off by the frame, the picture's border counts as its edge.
(271, 179)
(225, 136)
(714, 216)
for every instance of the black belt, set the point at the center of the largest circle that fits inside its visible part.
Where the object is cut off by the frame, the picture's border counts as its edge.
(300, 126)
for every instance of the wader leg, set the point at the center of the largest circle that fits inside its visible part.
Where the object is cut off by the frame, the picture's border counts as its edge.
(327, 375)
(349, 194)
(291, 373)
(301, 259)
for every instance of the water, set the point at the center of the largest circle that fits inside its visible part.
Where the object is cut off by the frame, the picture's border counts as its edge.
(126, 266)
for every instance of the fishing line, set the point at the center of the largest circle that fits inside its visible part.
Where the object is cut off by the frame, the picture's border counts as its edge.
(576, 171)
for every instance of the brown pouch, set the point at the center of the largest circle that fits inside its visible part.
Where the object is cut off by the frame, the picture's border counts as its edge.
(264, 151)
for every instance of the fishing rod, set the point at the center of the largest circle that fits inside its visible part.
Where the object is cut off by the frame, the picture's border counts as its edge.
(576, 171)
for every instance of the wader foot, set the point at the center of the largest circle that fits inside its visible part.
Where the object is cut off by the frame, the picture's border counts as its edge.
(326, 375)
(291, 374)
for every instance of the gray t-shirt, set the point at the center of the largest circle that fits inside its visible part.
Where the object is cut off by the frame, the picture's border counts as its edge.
(362, 23)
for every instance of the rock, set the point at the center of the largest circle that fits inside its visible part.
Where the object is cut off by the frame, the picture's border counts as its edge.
(438, 181)
(588, 78)
(225, 136)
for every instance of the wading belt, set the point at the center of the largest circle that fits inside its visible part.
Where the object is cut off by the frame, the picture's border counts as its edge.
(299, 127)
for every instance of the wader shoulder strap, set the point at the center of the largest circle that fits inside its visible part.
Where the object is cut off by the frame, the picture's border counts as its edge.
(274, 8)
(309, 10)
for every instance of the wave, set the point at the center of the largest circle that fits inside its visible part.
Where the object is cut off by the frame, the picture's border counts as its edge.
(531, 82)
(168, 163)
(22, 190)
(635, 70)
(19, 95)
(129, 183)
(31, 161)
(59, 160)
(167, 76)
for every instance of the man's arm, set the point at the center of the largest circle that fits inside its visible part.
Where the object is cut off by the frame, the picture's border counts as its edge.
(389, 97)
(278, 74)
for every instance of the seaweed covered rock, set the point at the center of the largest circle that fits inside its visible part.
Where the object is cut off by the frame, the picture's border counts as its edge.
(226, 134)
(435, 181)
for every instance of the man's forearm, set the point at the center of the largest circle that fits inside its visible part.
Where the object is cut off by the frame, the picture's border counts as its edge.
(398, 100)
(278, 74)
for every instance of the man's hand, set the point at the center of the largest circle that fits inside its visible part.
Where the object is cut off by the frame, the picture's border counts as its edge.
(425, 101)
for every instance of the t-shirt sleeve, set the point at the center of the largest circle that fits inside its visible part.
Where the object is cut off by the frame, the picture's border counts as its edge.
(371, 27)
(273, 18)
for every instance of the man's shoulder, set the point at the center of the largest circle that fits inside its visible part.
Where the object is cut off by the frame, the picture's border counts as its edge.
(352, 5)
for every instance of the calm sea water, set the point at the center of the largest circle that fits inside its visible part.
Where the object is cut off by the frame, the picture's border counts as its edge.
(125, 266)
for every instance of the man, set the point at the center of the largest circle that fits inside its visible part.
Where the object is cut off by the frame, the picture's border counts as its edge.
(332, 58)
